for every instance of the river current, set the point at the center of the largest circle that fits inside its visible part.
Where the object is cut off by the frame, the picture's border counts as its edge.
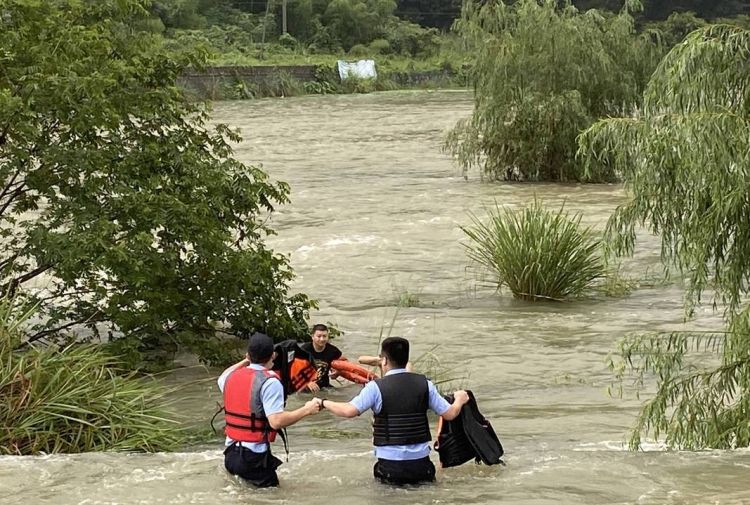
(374, 234)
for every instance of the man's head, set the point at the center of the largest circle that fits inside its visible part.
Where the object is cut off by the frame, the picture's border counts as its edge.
(319, 336)
(396, 351)
(260, 348)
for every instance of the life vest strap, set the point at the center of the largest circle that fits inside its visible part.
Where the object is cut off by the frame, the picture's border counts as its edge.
(256, 423)
(251, 417)
(247, 428)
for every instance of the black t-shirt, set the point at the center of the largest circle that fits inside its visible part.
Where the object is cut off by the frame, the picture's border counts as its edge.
(322, 361)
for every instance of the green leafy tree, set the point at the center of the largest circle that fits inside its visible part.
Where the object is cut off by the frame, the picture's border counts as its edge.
(357, 21)
(121, 210)
(685, 159)
(660, 9)
(432, 13)
(676, 27)
(542, 75)
(178, 13)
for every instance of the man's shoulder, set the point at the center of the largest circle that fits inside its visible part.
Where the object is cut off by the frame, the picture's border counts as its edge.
(269, 377)
(272, 384)
(331, 347)
(273, 374)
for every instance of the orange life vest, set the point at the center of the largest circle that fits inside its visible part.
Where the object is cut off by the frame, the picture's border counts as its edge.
(301, 373)
(243, 406)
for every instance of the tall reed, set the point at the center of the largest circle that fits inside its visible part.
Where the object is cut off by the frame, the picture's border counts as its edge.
(538, 254)
(75, 399)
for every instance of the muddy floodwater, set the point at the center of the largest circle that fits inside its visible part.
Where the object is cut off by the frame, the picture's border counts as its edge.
(375, 222)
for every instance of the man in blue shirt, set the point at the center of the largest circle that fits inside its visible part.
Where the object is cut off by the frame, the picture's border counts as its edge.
(399, 401)
(254, 412)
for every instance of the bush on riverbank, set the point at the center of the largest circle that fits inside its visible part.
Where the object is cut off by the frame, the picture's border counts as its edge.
(75, 399)
(538, 254)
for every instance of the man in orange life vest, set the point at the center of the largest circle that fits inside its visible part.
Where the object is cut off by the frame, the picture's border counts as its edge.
(401, 431)
(254, 412)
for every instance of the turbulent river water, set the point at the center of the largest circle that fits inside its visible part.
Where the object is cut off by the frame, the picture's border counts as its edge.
(375, 220)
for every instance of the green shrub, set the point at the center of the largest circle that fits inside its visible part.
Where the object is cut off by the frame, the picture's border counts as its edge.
(675, 28)
(286, 40)
(150, 25)
(359, 50)
(281, 84)
(411, 39)
(357, 85)
(536, 253)
(380, 46)
(385, 83)
(537, 142)
(354, 22)
(319, 88)
(238, 90)
(75, 399)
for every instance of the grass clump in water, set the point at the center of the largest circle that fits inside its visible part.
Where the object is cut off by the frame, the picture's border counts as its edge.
(75, 399)
(336, 434)
(538, 254)
(446, 378)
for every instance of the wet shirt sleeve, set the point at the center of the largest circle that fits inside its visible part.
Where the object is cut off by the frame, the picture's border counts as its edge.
(335, 353)
(273, 397)
(368, 398)
(223, 379)
(328, 354)
(438, 404)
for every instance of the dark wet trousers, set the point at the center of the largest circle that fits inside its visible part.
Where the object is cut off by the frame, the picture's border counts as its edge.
(259, 469)
(414, 471)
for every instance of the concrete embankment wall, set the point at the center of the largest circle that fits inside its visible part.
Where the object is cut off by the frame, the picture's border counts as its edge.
(217, 82)
(210, 81)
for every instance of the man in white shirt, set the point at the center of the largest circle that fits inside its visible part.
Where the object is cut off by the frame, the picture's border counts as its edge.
(399, 401)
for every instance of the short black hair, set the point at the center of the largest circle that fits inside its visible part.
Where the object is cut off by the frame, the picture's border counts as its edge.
(396, 349)
(319, 327)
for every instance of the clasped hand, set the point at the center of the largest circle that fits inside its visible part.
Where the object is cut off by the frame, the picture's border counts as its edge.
(313, 406)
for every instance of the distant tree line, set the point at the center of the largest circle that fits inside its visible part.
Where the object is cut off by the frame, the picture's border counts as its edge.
(398, 26)
(317, 25)
(442, 13)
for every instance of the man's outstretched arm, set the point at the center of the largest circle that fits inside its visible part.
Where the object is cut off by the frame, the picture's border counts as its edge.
(283, 419)
(460, 398)
(341, 409)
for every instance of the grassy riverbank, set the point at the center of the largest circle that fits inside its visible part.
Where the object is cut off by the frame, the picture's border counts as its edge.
(283, 72)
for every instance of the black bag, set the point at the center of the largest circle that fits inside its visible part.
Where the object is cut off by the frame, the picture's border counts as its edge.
(468, 436)
(293, 365)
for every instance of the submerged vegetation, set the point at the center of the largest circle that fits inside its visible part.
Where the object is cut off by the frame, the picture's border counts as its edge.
(446, 377)
(535, 89)
(75, 398)
(685, 158)
(536, 253)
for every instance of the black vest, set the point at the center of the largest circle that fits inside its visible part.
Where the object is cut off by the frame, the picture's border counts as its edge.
(403, 418)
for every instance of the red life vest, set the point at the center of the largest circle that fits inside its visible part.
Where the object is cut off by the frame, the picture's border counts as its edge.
(243, 406)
